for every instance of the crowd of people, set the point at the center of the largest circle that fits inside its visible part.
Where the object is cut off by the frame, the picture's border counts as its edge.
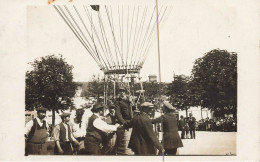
(125, 130)
(225, 124)
(118, 128)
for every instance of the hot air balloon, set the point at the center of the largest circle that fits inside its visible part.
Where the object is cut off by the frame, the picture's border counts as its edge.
(117, 37)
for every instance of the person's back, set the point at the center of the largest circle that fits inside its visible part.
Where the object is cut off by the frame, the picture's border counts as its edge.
(170, 129)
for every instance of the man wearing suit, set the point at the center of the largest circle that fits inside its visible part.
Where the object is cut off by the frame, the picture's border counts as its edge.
(182, 127)
(143, 140)
(192, 125)
(171, 138)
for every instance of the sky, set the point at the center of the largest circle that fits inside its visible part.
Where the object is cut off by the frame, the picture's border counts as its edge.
(189, 31)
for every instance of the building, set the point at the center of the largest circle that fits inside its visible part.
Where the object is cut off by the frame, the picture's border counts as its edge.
(152, 78)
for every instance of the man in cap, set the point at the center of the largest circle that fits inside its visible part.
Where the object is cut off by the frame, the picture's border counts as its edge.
(123, 114)
(143, 140)
(36, 133)
(171, 138)
(79, 129)
(192, 125)
(97, 131)
(63, 136)
(123, 107)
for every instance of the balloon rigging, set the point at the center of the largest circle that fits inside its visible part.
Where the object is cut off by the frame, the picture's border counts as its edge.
(118, 38)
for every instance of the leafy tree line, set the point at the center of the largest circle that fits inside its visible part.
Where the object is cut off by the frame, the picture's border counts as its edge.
(212, 84)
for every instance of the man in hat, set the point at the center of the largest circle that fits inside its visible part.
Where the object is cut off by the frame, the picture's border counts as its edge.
(123, 106)
(171, 138)
(36, 133)
(192, 125)
(143, 140)
(97, 131)
(63, 136)
(79, 129)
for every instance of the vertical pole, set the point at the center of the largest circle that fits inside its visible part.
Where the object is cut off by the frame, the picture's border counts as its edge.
(159, 65)
(104, 94)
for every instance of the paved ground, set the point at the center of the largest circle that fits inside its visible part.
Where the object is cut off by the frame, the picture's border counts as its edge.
(210, 143)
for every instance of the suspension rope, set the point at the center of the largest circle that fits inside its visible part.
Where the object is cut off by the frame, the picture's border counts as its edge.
(90, 35)
(103, 33)
(134, 35)
(130, 34)
(140, 29)
(113, 34)
(146, 34)
(108, 15)
(98, 56)
(67, 21)
(93, 28)
(150, 42)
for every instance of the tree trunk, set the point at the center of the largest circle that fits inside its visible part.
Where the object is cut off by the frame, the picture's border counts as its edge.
(186, 112)
(53, 117)
(201, 112)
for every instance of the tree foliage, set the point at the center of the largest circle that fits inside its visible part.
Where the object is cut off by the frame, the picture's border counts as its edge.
(50, 84)
(214, 77)
(180, 93)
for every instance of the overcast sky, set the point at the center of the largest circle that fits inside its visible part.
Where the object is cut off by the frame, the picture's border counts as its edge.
(190, 30)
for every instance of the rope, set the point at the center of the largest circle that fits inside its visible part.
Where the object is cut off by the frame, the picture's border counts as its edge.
(85, 36)
(93, 28)
(90, 35)
(134, 35)
(66, 20)
(150, 42)
(140, 29)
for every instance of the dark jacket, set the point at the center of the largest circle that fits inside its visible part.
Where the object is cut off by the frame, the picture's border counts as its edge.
(143, 140)
(192, 122)
(123, 111)
(181, 124)
(171, 137)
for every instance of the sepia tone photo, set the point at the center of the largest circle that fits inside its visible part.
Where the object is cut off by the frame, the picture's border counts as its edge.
(131, 80)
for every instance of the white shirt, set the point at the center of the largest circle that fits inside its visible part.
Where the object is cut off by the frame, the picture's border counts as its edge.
(56, 133)
(78, 131)
(29, 125)
(103, 126)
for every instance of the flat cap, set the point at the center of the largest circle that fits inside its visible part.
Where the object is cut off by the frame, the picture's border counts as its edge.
(41, 109)
(147, 104)
(169, 106)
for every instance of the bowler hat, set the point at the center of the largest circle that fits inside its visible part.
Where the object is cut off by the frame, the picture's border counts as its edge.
(169, 106)
(41, 109)
(97, 107)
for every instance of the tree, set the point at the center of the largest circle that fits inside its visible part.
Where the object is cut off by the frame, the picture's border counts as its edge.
(50, 85)
(180, 94)
(215, 78)
(95, 87)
